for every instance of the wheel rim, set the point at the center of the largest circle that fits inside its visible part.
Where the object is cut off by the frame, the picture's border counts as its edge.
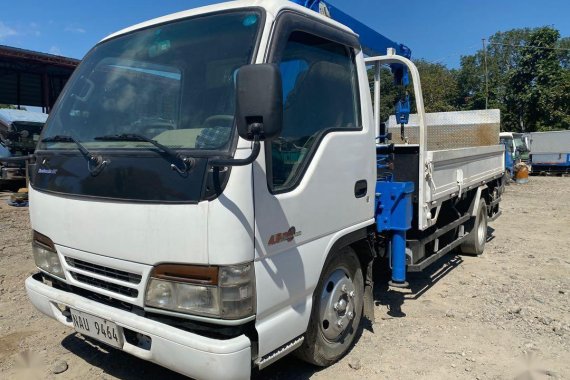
(482, 230)
(337, 305)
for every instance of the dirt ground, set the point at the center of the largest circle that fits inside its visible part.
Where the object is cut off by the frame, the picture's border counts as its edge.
(504, 315)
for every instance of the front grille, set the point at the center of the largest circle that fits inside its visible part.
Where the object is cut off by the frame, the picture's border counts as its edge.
(104, 271)
(119, 289)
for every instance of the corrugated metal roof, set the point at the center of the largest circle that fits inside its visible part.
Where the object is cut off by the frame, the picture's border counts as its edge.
(9, 116)
(30, 88)
(29, 55)
(32, 78)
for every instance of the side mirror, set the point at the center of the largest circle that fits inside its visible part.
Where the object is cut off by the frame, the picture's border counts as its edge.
(259, 102)
(259, 109)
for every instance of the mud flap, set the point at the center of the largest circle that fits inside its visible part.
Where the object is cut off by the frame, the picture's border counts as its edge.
(368, 311)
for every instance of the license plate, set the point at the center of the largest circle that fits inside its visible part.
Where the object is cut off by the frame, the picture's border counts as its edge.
(98, 328)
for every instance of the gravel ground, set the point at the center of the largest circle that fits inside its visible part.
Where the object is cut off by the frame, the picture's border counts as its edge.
(504, 315)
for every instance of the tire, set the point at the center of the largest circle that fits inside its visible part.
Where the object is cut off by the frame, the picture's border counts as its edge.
(475, 243)
(327, 340)
(508, 177)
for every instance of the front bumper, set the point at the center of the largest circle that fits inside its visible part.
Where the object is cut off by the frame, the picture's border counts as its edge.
(181, 351)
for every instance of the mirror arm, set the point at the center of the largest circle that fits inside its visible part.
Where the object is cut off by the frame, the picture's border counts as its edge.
(17, 159)
(240, 162)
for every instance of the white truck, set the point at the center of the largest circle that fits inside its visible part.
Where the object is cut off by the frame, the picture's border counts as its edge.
(209, 193)
(516, 146)
(550, 152)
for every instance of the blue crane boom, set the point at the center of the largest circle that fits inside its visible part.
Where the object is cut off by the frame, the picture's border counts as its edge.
(373, 43)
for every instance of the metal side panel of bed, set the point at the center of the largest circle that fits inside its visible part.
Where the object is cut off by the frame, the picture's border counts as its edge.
(453, 171)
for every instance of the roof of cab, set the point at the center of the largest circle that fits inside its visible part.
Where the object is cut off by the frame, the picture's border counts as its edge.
(8, 116)
(272, 7)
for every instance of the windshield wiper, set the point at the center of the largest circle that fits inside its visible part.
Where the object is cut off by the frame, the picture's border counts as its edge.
(98, 161)
(187, 162)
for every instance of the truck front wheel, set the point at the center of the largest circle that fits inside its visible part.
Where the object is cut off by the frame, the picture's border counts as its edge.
(337, 310)
(475, 243)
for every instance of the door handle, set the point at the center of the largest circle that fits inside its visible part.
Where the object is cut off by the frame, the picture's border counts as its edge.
(361, 189)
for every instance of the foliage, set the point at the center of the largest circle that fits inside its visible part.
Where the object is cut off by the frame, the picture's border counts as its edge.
(535, 90)
(389, 91)
(564, 43)
(529, 84)
(439, 85)
(528, 80)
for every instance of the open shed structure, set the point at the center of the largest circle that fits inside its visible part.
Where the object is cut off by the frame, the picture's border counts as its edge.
(31, 78)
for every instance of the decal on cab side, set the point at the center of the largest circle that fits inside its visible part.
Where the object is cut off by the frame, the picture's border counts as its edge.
(282, 237)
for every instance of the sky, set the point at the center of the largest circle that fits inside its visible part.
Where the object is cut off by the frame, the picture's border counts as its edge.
(436, 30)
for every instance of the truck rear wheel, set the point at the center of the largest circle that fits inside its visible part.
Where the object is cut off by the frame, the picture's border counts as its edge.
(475, 243)
(337, 310)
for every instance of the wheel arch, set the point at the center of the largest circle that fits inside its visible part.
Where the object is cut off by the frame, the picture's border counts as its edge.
(480, 194)
(360, 240)
(359, 243)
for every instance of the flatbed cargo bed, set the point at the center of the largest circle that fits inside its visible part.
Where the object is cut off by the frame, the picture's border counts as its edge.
(446, 172)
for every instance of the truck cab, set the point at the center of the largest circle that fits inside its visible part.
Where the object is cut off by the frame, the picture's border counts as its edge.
(19, 134)
(213, 264)
(516, 144)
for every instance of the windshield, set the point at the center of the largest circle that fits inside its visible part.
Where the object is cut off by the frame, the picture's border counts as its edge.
(172, 83)
(506, 141)
(519, 143)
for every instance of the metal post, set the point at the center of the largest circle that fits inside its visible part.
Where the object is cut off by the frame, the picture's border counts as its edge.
(45, 92)
(423, 223)
(377, 119)
(398, 248)
(27, 174)
(486, 75)
(18, 90)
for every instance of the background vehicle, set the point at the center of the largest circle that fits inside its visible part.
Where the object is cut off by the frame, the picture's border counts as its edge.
(517, 146)
(236, 218)
(19, 135)
(550, 152)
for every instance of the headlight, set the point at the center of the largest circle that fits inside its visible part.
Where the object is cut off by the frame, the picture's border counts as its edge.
(45, 255)
(221, 292)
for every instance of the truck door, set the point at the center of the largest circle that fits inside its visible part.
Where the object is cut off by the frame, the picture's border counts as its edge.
(315, 183)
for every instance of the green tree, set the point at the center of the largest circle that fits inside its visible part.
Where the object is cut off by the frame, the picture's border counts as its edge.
(528, 73)
(439, 86)
(502, 56)
(564, 43)
(471, 83)
(388, 90)
(535, 96)
(529, 84)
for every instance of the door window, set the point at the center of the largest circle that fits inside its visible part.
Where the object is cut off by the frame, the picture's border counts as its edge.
(320, 95)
